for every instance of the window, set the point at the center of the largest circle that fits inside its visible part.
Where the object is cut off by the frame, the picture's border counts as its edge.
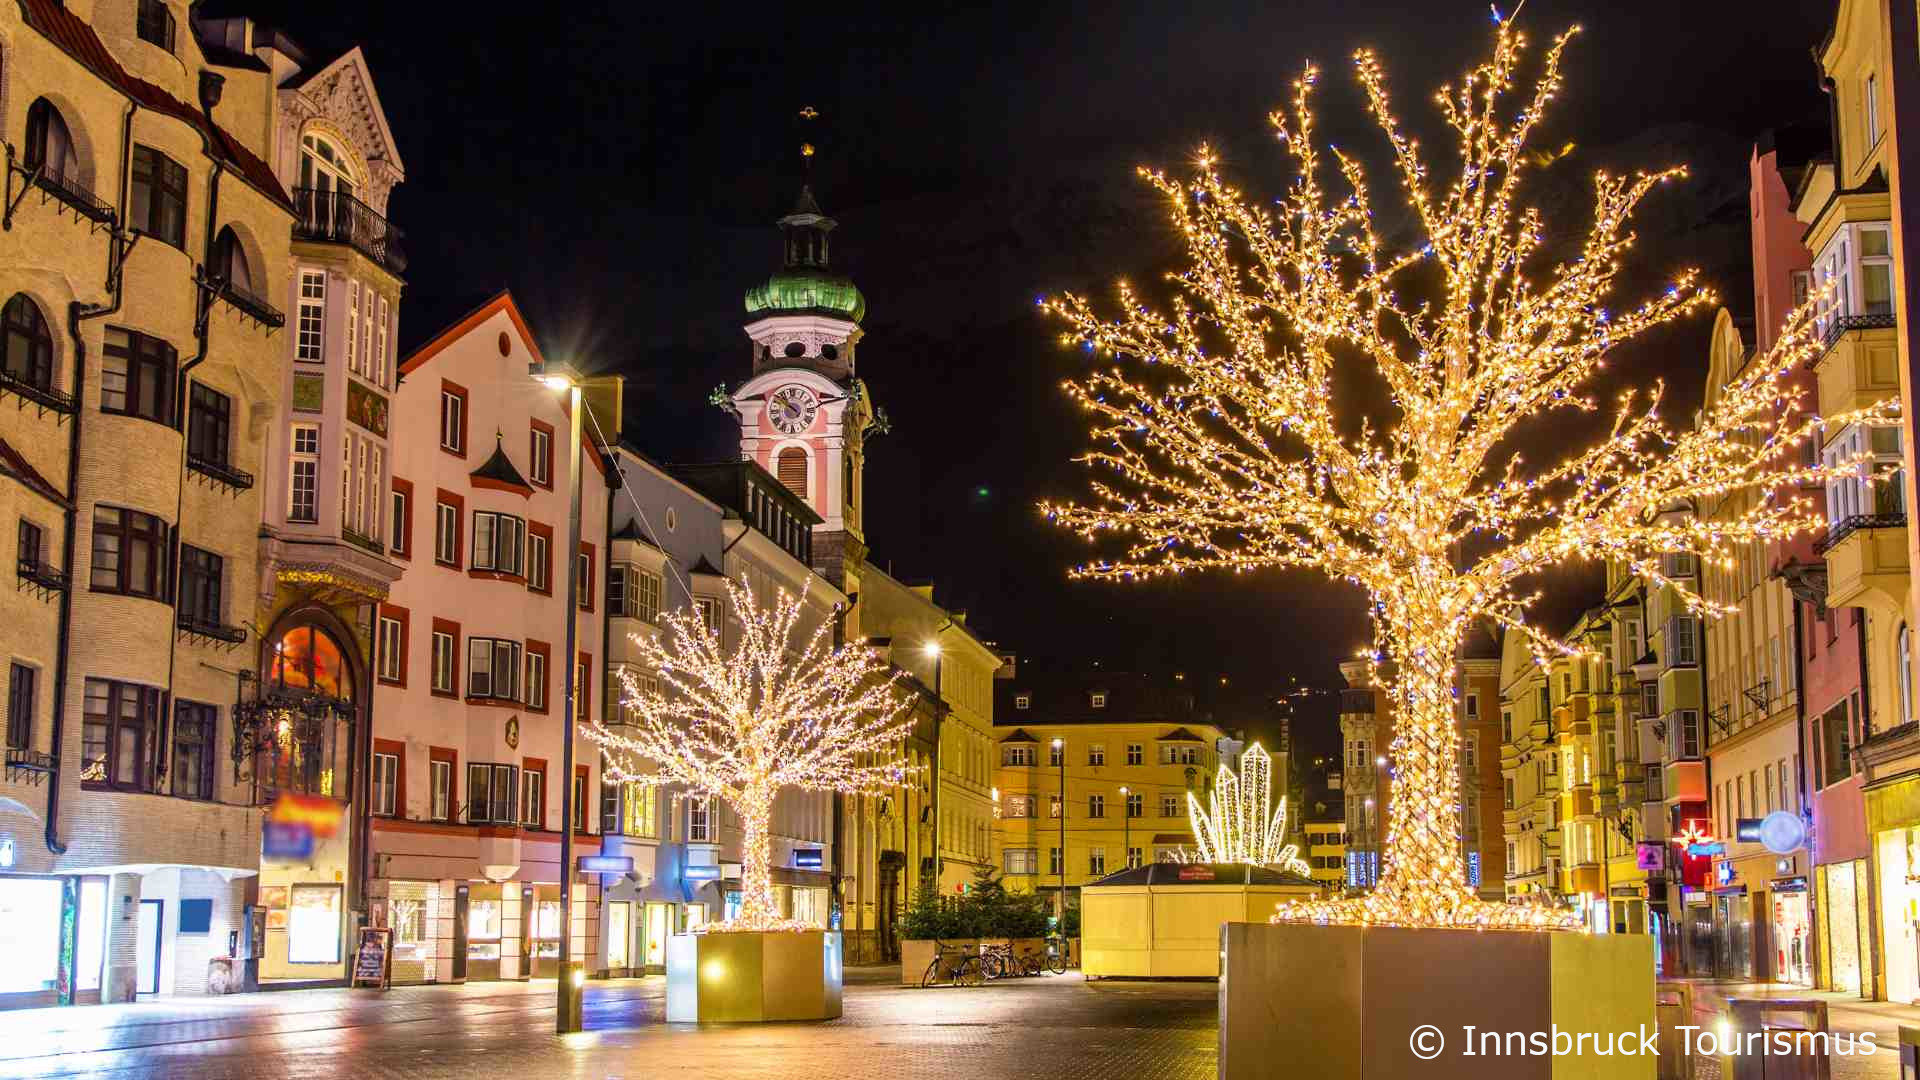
(1875, 488)
(493, 668)
(640, 807)
(1136, 753)
(159, 196)
(446, 534)
(1023, 702)
(303, 485)
(499, 541)
(201, 573)
(29, 342)
(579, 803)
(21, 684)
(1682, 644)
(154, 23)
(1871, 100)
(699, 820)
(1686, 723)
(490, 791)
(1022, 860)
(440, 779)
(1170, 806)
(1509, 793)
(1506, 725)
(1099, 700)
(1053, 861)
(193, 733)
(539, 560)
(1097, 861)
(453, 419)
(1053, 807)
(401, 529)
(209, 424)
(230, 266)
(1016, 754)
(536, 681)
(121, 723)
(540, 454)
(442, 662)
(1097, 754)
(386, 783)
(791, 469)
(1096, 806)
(1649, 699)
(709, 609)
(379, 373)
(1018, 806)
(533, 798)
(1136, 804)
(583, 591)
(129, 553)
(50, 146)
(1133, 858)
(1056, 753)
(311, 318)
(136, 376)
(353, 326)
(1904, 637)
(633, 593)
(393, 649)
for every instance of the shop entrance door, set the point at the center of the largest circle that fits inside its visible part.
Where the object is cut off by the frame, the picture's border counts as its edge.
(619, 935)
(653, 946)
(462, 899)
(146, 946)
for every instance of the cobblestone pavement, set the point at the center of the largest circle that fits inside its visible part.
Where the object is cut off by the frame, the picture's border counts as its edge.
(1057, 1027)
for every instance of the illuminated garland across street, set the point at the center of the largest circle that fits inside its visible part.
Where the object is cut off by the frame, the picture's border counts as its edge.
(781, 709)
(1218, 444)
(1241, 824)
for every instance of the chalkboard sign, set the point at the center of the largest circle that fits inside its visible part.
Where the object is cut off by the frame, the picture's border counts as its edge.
(373, 960)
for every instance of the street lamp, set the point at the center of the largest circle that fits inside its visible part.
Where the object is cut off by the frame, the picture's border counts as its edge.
(932, 649)
(1126, 827)
(1060, 758)
(562, 378)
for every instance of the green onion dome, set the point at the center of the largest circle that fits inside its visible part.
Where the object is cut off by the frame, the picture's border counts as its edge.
(803, 290)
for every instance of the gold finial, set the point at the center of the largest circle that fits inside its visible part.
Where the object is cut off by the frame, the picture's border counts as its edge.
(808, 112)
(806, 149)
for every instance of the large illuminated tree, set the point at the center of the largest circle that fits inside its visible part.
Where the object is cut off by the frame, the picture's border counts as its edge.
(1222, 443)
(781, 709)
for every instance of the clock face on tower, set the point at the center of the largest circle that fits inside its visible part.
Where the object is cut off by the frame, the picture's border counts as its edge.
(791, 409)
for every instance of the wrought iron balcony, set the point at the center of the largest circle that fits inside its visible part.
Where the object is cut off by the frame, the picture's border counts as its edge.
(202, 627)
(1846, 527)
(237, 479)
(333, 217)
(251, 304)
(40, 574)
(1841, 324)
(44, 396)
(58, 187)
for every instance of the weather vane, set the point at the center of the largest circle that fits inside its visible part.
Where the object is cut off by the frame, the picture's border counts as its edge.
(808, 113)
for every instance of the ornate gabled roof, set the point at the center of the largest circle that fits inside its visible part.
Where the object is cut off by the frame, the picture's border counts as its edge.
(702, 566)
(499, 469)
(1020, 736)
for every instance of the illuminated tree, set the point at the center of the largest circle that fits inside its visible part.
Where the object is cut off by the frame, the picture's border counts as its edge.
(1222, 445)
(781, 709)
(1241, 824)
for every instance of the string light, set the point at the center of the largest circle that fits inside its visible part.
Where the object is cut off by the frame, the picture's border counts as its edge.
(1227, 451)
(1241, 824)
(781, 709)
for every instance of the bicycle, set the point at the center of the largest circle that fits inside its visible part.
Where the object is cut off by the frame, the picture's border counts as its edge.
(953, 964)
(1057, 955)
(998, 961)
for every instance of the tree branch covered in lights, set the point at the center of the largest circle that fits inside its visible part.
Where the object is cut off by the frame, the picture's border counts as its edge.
(1219, 445)
(781, 709)
(1241, 824)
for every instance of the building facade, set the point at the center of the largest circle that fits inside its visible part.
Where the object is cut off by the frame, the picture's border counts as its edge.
(470, 709)
(1094, 772)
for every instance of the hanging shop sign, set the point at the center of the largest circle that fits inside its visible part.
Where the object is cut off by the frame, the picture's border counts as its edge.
(606, 864)
(1782, 833)
(1651, 856)
(808, 859)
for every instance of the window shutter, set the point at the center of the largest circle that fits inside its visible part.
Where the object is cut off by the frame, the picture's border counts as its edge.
(792, 470)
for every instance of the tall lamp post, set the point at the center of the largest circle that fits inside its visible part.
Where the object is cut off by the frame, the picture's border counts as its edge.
(573, 975)
(1060, 759)
(1126, 826)
(932, 649)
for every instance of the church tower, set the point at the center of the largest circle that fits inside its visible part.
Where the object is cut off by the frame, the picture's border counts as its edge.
(804, 413)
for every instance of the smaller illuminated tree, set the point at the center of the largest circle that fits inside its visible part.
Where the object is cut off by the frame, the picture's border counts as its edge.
(1241, 824)
(780, 709)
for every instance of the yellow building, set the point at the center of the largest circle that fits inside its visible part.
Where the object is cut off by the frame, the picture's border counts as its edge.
(1326, 851)
(1094, 770)
(1849, 204)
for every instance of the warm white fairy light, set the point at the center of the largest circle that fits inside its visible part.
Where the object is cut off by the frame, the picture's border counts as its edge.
(1241, 823)
(781, 709)
(1226, 450)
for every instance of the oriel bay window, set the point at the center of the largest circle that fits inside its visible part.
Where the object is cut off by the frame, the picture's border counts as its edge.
(129, 553)
(1857, 268)
(136, 375)
(490, 791)
(633, 593)
(1875, 489)
(119, 732)
(493, 668)
(499, 542)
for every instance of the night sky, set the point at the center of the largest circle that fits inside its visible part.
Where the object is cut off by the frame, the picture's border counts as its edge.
(620, 170)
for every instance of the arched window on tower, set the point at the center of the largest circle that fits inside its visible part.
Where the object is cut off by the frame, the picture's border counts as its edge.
(791, 468)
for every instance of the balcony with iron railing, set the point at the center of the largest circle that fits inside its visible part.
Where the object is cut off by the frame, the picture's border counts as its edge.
(199, 626)
(334, 217)
(220, 471)
(1857, 363)
(44, 396)
(42, 576)
(53, 186)
(249, 303)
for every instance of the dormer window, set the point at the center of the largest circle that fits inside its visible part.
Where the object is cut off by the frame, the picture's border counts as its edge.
(154, 23)
(1873, 111)
(1099, 699)
(1023, 701)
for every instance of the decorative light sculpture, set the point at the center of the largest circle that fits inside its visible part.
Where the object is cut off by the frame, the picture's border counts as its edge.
(781, 709)
(1223, 447)
(1241, 823)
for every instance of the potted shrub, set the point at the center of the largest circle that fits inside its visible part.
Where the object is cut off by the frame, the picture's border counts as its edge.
(931, 920)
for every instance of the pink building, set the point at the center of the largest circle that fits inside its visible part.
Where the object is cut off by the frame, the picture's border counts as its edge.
(469, 700)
